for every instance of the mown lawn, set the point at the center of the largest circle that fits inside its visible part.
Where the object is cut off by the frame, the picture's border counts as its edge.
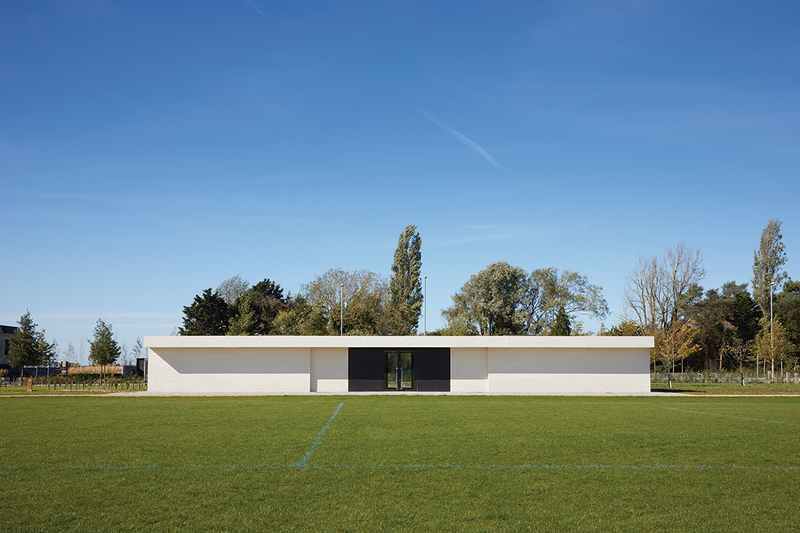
(750, 389)
(400, 463)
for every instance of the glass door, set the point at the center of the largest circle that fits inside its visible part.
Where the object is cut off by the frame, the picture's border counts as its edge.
(399, 370)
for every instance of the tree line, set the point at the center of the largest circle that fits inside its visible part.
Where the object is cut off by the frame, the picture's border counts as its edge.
(29, 346)
(726, 328)
(723, 328)
(500, 300)
(337, 302)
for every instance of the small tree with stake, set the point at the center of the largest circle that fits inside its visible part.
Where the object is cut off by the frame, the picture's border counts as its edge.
(104, 350)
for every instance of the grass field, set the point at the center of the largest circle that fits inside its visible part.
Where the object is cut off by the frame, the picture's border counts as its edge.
(751, 389)
(400, 463)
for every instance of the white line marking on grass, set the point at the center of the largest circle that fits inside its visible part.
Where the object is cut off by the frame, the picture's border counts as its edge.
(400, 466)
(304, 461)
(732, 416)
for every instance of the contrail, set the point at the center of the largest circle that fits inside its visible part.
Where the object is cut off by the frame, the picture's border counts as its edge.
(463, 138)
(256, 9)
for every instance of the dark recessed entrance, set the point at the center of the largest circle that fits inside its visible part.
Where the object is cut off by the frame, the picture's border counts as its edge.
(397, 369)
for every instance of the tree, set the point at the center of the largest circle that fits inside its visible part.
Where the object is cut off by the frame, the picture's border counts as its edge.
(787, 310)
(244, 321)
(490, 302)
(365, 299)
(103, 350)
(28, 347)
(676, 343)
(299, 318)
(715, 327)
(69, 353)
(549, 291)
(626, 328)
(405, 285)
(505, 300)
(645, 297)
(256, 309)
(138, 351)
(208, 315)
(775, 347)
(561, 326)
(727, 321)
(739, 352)
(232, 289)
(746, 315)
(768, 263)
(660, 292)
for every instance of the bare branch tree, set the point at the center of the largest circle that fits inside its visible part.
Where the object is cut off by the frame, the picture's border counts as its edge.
(232, 289)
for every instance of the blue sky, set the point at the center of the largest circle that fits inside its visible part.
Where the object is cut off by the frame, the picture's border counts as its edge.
(150, 150)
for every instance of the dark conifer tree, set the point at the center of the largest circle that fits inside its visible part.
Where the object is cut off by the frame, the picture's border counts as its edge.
(24, 347)
(208, 315)
(561, 327)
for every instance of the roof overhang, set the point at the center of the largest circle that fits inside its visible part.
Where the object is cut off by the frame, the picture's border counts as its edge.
(290, 341)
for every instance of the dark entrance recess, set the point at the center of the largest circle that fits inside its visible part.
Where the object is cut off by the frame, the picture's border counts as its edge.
(419, 369)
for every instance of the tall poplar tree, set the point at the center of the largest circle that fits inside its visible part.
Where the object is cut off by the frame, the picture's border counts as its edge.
(768, 264)
(405, 284)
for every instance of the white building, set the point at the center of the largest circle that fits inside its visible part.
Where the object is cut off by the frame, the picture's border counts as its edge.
(501, 365)
(6, 332)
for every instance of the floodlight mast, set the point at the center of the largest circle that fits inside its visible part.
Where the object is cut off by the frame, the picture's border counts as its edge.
(425, 304)
(771, 342)
(341, 309)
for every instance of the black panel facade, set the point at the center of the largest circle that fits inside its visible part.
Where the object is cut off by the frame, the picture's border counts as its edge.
(367, 369)
(433, 369)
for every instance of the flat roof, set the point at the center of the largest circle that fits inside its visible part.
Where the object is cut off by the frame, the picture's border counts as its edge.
(433, 341)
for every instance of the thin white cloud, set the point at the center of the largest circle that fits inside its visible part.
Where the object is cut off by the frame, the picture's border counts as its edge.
(104, 316)
(257, 10)
(497, 232)
(461, 137)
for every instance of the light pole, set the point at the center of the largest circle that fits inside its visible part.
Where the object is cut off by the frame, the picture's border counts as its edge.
(424, 306)
(341, 309)
(771, 342)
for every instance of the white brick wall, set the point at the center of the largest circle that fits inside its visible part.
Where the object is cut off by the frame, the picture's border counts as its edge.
(469, 370)
(569, 370)
(250, 370)
(522, 365)
(329, 370)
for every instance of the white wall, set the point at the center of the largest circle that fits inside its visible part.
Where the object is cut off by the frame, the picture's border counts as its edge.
(549, 370)
(522, 365)
(569, 370)
(251, 370)
(329, 369)
(469, 370)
